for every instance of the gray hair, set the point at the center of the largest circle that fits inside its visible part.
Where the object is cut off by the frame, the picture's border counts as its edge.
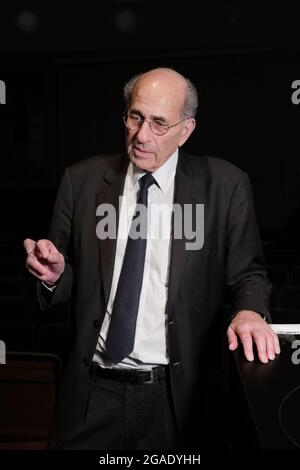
(191, 98)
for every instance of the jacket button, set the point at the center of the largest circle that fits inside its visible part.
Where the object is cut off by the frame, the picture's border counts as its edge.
(96, 323)
(86, 361)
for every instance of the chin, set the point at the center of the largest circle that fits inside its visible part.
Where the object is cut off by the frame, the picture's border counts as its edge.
(142, 163)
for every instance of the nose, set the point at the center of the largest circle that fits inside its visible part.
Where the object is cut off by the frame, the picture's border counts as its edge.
(144, 132)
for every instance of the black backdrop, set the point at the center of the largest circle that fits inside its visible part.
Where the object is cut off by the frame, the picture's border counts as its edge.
(245, 116)
(64, 75)
(61, 110)
(64, 71)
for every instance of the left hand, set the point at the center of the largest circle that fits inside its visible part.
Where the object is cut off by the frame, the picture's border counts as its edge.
(250, 327)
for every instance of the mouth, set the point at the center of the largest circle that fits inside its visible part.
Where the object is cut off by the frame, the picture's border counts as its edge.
(140, 153)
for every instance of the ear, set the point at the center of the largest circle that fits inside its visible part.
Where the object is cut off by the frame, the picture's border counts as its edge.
(189, 126)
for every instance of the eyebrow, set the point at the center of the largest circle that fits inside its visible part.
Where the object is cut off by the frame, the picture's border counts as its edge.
(152, 117)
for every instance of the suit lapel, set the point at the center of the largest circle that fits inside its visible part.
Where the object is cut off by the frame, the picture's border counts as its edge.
(113, 185)
(189, 189)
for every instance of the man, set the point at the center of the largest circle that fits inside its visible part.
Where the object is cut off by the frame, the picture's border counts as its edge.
(146, 313)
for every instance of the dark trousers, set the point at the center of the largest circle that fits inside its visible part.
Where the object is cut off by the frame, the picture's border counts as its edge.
(126, 416)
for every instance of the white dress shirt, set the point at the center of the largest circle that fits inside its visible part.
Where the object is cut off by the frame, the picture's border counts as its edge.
(150, 335)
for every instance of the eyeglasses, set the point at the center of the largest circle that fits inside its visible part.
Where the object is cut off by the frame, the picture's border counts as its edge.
(135, 121)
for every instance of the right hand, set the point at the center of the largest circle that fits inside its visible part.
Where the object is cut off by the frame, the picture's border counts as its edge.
(44, 260)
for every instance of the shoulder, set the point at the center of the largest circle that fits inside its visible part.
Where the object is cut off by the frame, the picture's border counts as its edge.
(87, 176)
(217, 164)
(216, 176)
(226, 173)
(97, 164)
(212, 168)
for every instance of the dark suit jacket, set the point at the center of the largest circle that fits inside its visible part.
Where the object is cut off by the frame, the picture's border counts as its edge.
(231, 257)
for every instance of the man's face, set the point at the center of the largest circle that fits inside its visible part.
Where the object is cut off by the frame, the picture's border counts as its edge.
(158, 95)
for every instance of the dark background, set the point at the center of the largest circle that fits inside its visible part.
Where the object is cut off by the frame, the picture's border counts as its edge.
(65, 63)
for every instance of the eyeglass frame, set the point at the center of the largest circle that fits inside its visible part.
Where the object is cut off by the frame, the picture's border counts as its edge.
(168, 127)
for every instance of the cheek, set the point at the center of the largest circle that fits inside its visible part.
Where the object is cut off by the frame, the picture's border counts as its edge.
(168, 148)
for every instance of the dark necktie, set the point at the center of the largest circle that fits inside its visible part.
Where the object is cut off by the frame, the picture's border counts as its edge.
(121, 333)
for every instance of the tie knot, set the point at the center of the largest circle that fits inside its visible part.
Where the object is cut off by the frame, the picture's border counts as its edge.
(146, 181)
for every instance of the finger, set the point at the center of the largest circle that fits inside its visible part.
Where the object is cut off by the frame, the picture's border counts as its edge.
(247, 342)
(35, 273)
(44, 248)
(55, 257)
(50, 254)
(232, 339)
(276, 342)
(260, 340)
(273, 345)
(270, 343)
(41, 277)
(33, 264)
(29, 245)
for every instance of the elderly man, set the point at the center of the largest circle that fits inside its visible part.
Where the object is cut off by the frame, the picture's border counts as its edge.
(146, 308)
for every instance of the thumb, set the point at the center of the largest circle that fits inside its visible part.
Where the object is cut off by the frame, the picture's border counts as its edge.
(44, 247)
(54, 256)
(232, 339)
(29, 245)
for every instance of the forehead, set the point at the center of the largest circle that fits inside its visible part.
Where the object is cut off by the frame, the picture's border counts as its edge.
(159, 95)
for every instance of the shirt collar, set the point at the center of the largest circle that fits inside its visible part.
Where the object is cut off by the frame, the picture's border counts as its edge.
(164, 175)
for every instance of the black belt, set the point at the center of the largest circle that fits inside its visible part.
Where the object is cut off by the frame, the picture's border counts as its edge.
(134, 376)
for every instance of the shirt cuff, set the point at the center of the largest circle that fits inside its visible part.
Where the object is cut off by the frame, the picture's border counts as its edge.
(51, 289)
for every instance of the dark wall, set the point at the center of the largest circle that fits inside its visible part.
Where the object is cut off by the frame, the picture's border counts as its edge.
(64, 65)
(245, 116)
(114, 25)
(61, 111)
(65, 73)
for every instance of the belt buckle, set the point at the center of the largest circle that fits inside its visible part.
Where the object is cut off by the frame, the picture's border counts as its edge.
(151, 380)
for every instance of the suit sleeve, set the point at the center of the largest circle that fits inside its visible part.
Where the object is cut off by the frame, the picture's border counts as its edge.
(246, 277)
(60, 233)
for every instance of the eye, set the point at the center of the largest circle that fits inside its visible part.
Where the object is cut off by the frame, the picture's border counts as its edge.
(135, 118)
(160, 125)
